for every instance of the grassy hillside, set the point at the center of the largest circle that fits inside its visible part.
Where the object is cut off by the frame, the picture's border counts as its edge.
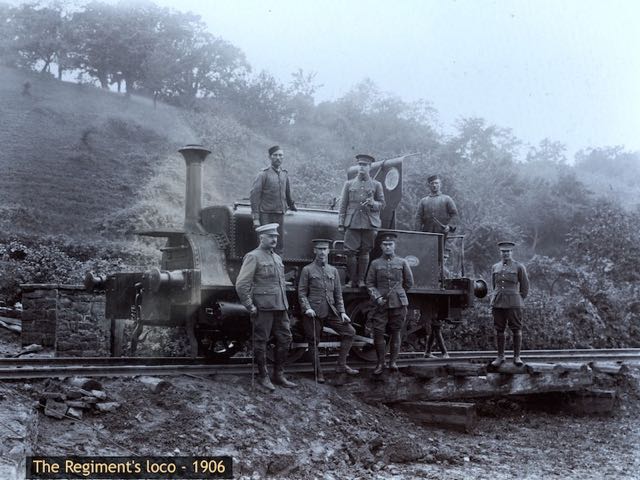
(73, 155)
(92, 164)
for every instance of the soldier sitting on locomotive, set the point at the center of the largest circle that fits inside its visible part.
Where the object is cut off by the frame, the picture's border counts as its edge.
(320, 296)
(388, 279)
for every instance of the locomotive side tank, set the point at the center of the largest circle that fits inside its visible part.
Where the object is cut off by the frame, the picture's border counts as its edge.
(194, 286)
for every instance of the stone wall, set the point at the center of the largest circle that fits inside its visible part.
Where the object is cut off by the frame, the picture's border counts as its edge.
(67, 318)
(39, 305)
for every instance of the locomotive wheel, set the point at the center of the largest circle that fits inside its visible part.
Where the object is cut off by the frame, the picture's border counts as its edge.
(360, 319)
(218, 350)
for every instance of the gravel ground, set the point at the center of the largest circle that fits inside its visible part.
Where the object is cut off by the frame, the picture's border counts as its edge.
(322, 432)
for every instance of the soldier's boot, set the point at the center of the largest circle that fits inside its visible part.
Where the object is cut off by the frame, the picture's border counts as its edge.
(430, 341)
(396, 339)
(342, 367)
(517, 345)
(352, 271)
(500, 344)
(380, 351)
(363, 263)
(443, 347)
(278, 370)
(263, 375)
(316, 365)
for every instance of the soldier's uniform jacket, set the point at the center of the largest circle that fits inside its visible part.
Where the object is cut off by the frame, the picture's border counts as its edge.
(261, 281)
(355, 215)
(510, 285)
(319, 288)
(434, 210)
(390, 277)
(271, 192)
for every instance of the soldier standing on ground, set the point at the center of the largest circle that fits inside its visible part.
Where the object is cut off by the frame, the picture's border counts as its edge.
(388, 280)
(362, 201)
(261, 288)
(320, 296)
(510, 287)
(436, 212)
(271, 195)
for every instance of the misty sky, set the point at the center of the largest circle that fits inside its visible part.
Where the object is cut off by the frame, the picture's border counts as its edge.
(568, 70)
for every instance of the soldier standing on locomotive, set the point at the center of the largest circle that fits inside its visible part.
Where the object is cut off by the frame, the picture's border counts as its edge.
(436, 211)
(362, 201)
(320, 296)
(436, 320)
(271, 194)
(510, 287)
(387, 281)
(262, 290)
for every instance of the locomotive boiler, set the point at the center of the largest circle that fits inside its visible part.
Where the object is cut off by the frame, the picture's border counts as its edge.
(194, 285)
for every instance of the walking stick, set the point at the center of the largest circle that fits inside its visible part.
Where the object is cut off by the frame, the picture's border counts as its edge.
(316, 357)
(253, 352)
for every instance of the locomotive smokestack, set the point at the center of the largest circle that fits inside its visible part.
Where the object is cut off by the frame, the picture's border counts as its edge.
(194, 156)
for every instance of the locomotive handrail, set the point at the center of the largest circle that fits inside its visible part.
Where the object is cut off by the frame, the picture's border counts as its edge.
(306, 209)
(161, 233)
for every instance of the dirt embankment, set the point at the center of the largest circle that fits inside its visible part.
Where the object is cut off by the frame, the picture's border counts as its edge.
(320, 432)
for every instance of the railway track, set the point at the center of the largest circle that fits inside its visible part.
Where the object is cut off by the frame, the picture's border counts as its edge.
(18, 368)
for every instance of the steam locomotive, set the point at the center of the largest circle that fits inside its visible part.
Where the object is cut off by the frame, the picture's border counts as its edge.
(194, 286)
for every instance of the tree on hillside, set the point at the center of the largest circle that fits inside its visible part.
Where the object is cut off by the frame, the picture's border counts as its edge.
(610, 162)
(8, 55)
(548, 210)
(38, 34)
(366, 119)
(113, 41)
(301, 92)
(186, 62)
(262, 102)
(95, 37)
(548, 151)
(608, 243)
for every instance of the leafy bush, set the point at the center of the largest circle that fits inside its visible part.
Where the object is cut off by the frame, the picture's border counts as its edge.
(57, 260)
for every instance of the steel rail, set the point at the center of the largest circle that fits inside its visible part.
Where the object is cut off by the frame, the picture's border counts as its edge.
(240, 360)
(65, 367)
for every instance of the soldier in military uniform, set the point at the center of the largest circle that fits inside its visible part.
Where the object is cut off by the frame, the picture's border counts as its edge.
(388, 279)
(362, 201)
(271, 194)
(321, 301)
(436, 212)
(510, 287)
(261, 288)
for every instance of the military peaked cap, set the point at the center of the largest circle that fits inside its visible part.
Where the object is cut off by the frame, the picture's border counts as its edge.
(506, 245)
(363, 157)
(432, 178)
(388, 236)
(322, 242)
(274, 149)
(268, 229)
